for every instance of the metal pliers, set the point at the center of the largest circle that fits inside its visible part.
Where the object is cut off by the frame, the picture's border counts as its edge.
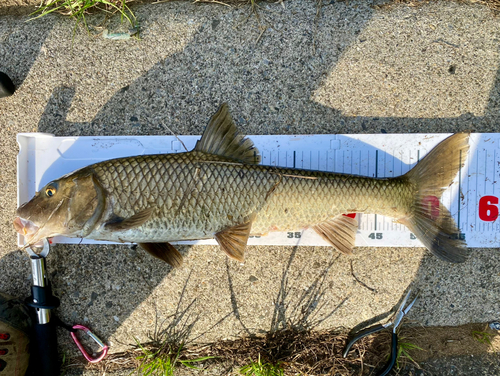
(400, 313)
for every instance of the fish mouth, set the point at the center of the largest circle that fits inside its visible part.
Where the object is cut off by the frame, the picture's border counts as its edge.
(28, 229)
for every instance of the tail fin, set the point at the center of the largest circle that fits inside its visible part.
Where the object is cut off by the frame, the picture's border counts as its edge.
(431, 222)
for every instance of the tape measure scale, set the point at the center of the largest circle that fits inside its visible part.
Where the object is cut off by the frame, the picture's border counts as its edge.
(473, 198)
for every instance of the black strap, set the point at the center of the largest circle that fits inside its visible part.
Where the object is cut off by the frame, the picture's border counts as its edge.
(58, 322)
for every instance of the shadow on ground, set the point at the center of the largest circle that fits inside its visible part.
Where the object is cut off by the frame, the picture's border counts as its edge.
(20, 46)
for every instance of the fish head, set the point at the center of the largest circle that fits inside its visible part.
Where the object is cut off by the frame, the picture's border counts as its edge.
(69, 206)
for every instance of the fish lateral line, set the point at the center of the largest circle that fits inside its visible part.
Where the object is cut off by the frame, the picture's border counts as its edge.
(188, 191)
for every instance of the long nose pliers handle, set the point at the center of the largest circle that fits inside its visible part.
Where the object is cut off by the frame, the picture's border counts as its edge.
(398, 317)
(363, 333)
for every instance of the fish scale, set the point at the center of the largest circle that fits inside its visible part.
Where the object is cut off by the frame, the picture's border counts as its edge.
(299, 202)
(193, 205)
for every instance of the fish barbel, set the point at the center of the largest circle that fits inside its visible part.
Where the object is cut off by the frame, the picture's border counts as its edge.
(219, 190)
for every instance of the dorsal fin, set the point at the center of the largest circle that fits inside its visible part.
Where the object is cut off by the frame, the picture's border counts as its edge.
(222, 138)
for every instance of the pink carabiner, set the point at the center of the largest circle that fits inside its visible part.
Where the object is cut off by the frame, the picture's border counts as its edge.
(96, 340)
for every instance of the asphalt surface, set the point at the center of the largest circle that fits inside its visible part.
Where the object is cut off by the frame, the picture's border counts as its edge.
(348, 67)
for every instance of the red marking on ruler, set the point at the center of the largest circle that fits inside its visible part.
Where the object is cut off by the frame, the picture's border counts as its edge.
(488, 209)
(431, 206)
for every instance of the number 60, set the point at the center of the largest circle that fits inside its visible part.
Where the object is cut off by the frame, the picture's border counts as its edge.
(488, 209)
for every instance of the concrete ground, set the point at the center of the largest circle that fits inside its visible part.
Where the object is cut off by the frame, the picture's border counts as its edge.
(347, 67)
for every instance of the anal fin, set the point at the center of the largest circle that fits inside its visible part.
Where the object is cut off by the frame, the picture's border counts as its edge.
(164, 251)
(233, 240)
(339, 232)
(128, 223)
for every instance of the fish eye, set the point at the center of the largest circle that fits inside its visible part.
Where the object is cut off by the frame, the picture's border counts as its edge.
(50, 191)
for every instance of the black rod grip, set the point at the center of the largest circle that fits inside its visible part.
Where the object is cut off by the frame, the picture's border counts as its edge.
(44, 358)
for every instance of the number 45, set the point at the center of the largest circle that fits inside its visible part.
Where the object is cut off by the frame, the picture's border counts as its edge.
(374, 235)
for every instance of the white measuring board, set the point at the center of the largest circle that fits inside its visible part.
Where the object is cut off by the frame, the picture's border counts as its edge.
(472, 198)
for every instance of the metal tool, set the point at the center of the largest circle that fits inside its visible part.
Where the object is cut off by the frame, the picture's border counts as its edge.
(495, 325)
(398, 317)
(44, 336)
(104, 347)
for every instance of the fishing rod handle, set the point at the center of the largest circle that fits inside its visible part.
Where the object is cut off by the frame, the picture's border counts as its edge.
(45, 359)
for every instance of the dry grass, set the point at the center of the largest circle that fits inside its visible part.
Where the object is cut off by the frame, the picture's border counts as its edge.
(73, 7)
(78, 9)
(304, 352)
(307, 352)
(310, 352)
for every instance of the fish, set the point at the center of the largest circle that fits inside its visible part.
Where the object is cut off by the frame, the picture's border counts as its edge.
(220, 190)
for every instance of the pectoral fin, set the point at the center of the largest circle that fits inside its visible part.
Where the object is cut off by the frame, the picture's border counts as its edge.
(339, 232)
(233, 240)
(126, 224)
(164, 251)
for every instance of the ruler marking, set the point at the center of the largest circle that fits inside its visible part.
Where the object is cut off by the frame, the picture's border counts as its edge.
(376, 175)
(487, 225)
(477, 192)
(390, 224)
(495, 176)
(394, 163)
(418, 157)
(466, 193)
(352, 166)
(495, 163)
(468, 198)
(492, 182)
(334, 160)
(359, 163)
(459, 190)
